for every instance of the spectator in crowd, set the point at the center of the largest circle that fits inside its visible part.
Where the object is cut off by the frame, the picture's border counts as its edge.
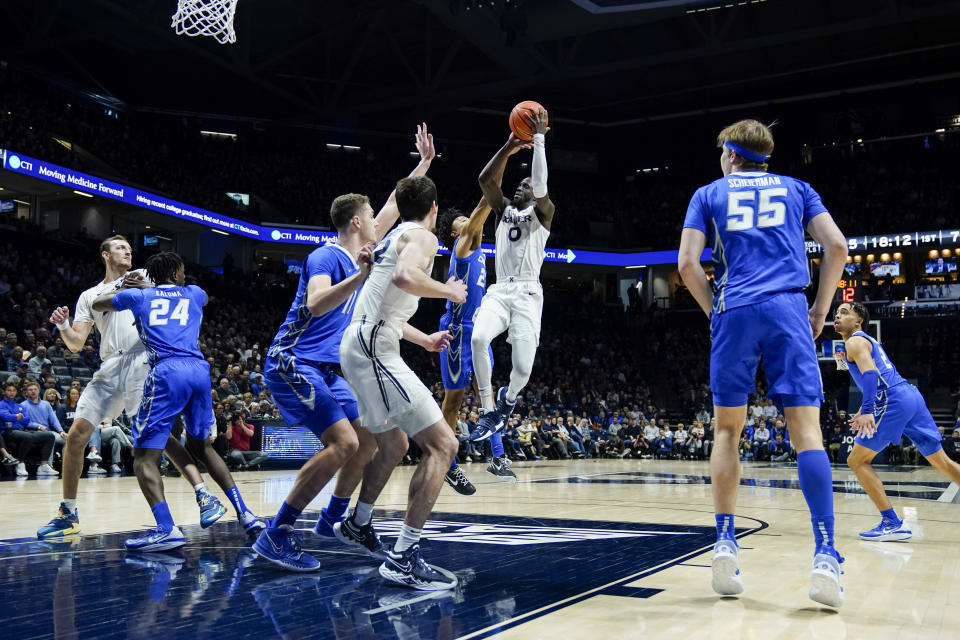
(834, 442)
(31, 444)
(10, 343)
(5, 457)
(37, 361)
(663, 445)
(511, 440)
(238, 434)
(703, 416)
(951, 445)
(463, 435)
(761, 438)
(780, 449)
(223, 390)
(89, 357)
(708, 430)
(41, 417)
(679, 440)
(529, 440)
(114, 437)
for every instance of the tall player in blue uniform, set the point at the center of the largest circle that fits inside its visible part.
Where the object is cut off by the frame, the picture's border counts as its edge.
(755, 222)
(303, 373)
(891, 408)
(168, 318)
(463, 236)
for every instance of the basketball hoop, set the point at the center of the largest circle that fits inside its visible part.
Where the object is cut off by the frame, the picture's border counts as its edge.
(212, 18)
(840, 355)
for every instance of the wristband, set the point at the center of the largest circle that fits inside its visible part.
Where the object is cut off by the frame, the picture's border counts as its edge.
(63, 326)
(870, 378)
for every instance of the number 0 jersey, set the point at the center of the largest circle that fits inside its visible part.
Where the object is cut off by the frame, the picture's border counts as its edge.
(168, 318)
(473, 271)
(754, 222)
(521, 241)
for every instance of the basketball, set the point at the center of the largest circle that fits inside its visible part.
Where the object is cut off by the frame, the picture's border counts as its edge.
(518, 122)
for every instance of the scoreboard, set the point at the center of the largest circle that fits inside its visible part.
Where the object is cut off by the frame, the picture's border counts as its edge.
(939, 238)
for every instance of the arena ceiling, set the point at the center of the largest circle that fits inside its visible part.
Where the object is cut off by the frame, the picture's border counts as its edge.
(596, 63)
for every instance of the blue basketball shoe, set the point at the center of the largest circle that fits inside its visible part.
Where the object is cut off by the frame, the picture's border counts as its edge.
(157, 540)
(887, 531)
(65, 523)
(211, 509)
(725, 564)
(281, 546)
(324, 526)
(825, 578)
(505, 408)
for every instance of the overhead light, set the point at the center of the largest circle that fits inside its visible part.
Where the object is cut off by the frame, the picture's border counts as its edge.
(350, 147)
(147, 227)
(333, 146)
(859, 140)
(940, 130)
(636, 266)
(223, 233)
(218, 134)
(81, 193)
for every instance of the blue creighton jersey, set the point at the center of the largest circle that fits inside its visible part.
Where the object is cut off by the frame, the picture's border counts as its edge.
(168, 318)
(318, 339)
(473, 271)
(889, 376)
(754, 223)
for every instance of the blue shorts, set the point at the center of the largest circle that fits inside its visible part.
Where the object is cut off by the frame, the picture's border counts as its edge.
(901, 411)
(778, 329)
(173, 387)
(311, 395)
(456, 362)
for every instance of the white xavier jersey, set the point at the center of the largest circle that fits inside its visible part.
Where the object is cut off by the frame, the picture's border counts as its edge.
(521, 241)
(118, 333)
(380, 299)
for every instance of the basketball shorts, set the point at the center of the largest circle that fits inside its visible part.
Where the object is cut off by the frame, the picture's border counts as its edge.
(307, 394)
(389, 394)
(456, 362)
(116, 387)
(513, 305)
(174, 386)
(902, 411)
(776, 329)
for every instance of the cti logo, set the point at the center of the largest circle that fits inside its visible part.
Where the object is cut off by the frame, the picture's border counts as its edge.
(276, 234)
(15, 163)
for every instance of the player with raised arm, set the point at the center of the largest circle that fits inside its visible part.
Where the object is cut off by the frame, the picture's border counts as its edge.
(303, 371)
(463, 236)
(115, 387)
(515, 302)
(754, 222)
(168, 318)
(392, 399)
(891, 408)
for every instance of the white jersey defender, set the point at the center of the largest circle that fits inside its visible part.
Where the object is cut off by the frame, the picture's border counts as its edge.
(389, 394)
(118, 383)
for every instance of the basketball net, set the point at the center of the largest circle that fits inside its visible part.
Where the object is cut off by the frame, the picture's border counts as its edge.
(212, 18)
(840, 355)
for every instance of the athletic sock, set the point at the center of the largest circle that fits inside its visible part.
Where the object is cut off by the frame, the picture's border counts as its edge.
(725, 528)
(363, 513)
(890, 515)
(486, 399)
(408, 537)
(816, 483)
(337, 507)
(70, 504)
(496, 444)
(453, 465)
(287, 515)
(234, 494)
(161, 512)
(200, 487)
(512, 395)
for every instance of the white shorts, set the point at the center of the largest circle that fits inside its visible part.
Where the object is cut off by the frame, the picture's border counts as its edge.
(389, 395)
(115, 387)
(517, 306)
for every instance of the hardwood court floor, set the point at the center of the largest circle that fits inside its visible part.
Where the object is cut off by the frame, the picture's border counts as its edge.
(589, 549)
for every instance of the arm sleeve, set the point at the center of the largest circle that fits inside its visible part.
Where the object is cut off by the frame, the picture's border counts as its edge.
(83, 311)
(127, 299)
(812, 204)
(696, 217)
(870, 379)
(538, 172)
(198, 294)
